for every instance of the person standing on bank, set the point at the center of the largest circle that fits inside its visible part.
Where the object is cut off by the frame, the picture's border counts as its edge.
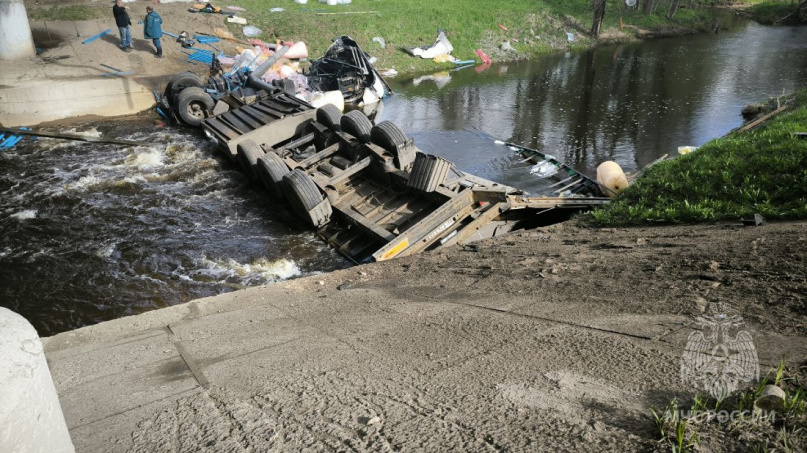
(153, 29)
(123, 22)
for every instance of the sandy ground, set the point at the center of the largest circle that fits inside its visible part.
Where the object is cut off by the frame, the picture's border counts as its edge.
(556, 339)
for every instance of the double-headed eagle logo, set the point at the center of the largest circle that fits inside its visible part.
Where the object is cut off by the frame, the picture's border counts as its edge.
(717, 362)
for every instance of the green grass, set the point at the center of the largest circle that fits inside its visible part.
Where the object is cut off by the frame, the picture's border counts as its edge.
(70, 12)
(533, 27)
(775, 13)
(760, 171)
(734, 423)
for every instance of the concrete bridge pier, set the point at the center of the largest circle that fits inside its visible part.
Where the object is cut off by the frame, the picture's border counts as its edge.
(16, 40)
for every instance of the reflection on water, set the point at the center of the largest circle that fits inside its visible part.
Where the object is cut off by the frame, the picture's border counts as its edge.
(628, 103)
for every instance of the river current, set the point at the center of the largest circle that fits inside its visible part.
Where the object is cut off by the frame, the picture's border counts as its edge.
(92, 232)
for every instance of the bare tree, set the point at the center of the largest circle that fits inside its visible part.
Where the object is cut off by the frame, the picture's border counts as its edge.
(599, 15)
(648, 6)
(673, 9)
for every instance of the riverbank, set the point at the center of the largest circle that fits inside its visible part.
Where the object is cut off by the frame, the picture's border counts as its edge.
(757, 169)
(80, 71)
(529, 28)
(531, 341)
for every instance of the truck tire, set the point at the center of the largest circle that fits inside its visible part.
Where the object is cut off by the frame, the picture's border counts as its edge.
(388, 136)
(271, 170)
(181, 81)
(306, 199)
(356, 124)
(193, 105)
(328, 115)
(248, 154)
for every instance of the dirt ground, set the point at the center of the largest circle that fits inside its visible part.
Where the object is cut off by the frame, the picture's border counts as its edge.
(63, 38)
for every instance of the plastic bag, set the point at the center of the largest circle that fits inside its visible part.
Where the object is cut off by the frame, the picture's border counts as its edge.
(544, 169)
(251, 31)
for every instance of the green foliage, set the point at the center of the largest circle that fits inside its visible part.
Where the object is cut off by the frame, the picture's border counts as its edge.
(775, 13)
(69, 12)
(735, 423)
(761, 171)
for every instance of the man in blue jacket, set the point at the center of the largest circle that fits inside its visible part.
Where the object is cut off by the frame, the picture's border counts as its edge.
(123, 22)
(153, 29)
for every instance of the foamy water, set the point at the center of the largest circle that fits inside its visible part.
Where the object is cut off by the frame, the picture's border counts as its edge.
(97, 231)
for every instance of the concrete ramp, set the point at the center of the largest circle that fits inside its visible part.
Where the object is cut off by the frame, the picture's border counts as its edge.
(53, 100)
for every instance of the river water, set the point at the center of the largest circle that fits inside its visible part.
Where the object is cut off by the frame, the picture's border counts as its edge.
(93, 232)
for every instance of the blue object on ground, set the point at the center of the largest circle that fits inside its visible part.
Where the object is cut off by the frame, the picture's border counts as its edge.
(10, 141)
(93, 38)
(170, 34)
(205, 39)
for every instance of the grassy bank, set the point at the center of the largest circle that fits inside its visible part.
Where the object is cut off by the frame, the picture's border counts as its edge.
(762, 171)
(776, 13)
(532, 27)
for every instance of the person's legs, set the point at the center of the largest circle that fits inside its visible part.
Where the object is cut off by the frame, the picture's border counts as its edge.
(159, 48)
(123, 31)
(128, 43)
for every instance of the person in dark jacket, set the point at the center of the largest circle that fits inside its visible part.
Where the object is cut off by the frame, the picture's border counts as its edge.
(123, 22)
(153, 29)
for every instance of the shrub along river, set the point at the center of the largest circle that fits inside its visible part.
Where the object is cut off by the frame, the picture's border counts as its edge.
(92, 232)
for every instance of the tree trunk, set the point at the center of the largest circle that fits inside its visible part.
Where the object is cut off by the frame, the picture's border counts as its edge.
(599, 15)
(673, 9)
(648, 6)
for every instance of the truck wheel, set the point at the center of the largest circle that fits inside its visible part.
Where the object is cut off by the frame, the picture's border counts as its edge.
(306, 199)
(388, 136)
(193, 105)
(248, 154)
(181, 81)
(356, 124)
(271, 170)
(328, 115)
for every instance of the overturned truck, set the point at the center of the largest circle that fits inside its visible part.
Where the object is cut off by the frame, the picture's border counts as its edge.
(344, 70)
(367, 189)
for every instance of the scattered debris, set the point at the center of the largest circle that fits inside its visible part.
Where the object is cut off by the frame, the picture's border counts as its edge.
(482, 56)
(503, 27)
(251, 31)
(235, 8)
(684, 150)
(507, 47)
(380, 41)
(276, 10)
(441, 46)
(93, 38)
(237, 20)
(771, 398)
(570, 36)
(757, 220)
